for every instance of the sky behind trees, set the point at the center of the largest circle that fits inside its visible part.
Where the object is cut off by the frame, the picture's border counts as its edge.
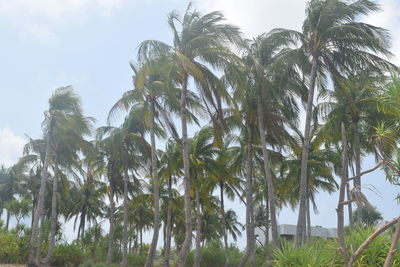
(88, 44)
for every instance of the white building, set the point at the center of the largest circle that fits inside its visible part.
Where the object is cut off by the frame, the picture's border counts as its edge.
(288, 231)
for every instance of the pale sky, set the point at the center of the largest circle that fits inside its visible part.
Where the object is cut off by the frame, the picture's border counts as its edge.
(88, 44)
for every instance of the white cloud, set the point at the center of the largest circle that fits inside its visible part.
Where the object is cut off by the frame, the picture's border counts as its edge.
(37, 19)
(56, 10)
(11, 146)
(259, 16)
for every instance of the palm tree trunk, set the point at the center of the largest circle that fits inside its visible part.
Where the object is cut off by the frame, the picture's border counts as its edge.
(141, 240)
(32, 213)
(249, 202)
(196, 262)
(52, 238)
(349, 206)
(42, 192)
(7, 220)
(357, 150)
(340, 208)
(301, 222)
(186, 178)
(154, 170)
(124, 261)
(266, 241)
(111, 231)
(223, 223)
(168, 226)
(308, 218)
(41, 234)
(268, 175)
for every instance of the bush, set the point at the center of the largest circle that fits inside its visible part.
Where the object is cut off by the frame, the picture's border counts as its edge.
(138, 260)
(9, 248)
(93, 264)
(311, 254)
(68, 255)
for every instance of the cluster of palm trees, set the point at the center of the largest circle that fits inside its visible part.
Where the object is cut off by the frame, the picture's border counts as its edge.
(244, 96)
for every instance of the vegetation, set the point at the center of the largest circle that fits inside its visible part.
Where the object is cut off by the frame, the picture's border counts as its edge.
(244, 97)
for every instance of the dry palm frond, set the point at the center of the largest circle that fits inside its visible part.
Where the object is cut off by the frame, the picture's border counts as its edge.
(360, 199)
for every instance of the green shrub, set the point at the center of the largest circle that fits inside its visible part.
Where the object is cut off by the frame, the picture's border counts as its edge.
(311, 254)
(68, 255)
(9, 248)
(93, 264)
(136, 260)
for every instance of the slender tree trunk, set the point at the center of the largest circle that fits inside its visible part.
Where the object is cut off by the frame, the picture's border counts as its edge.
(349, 207)
(52, 238)
(111, 231)
(32, 213)
(249, 202)
(308, 236)
(301, 222)
(41, 235)
(186, 178)
(357, 150)
(40, 204)
(141, 241)
(7, 220)
(340, 208)
(268, 175)
(196, 262)
(223, 223)
(266, 241)
(169, 225)
(393, 246)
(124, 261)
(154, 170)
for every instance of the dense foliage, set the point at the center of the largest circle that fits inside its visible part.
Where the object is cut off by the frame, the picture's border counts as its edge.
(243, 97)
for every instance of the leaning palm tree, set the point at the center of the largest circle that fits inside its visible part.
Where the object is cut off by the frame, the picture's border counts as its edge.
(63, 104)
(335, 42)
(202, 39)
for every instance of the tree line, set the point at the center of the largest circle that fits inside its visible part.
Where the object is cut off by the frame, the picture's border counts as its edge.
(245, 96)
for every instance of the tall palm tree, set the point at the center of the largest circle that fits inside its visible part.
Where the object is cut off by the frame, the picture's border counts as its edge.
(275, 91)
(68, 141)
(63, 104)
(336, 43)
(201, 39)
(154, 88)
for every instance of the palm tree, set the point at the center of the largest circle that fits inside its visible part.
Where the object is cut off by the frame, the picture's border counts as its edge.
(86, 199)
(8, 188)
(130, 148)
(202, 154)
(68, 141)
(272, 111)
(202, 39)
(336, 43)
(63, 104)
(322, 164)
(154, 88)
(224, 178)
(170, 162)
